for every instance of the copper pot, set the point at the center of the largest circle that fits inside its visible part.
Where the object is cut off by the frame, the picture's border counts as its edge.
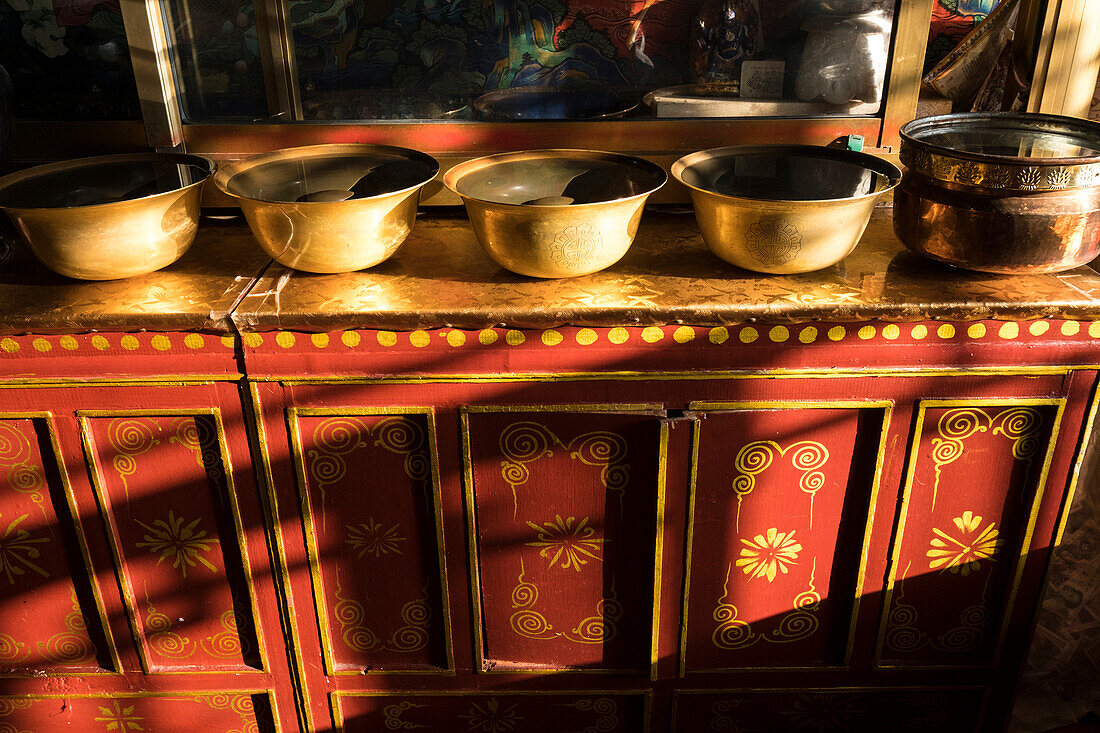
(1001, 193)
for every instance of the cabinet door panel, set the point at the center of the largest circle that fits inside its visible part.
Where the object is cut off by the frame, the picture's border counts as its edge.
(163, 486)
(210, 712)
(974, 482)
(563, 510)
(947, 710)
(45, 626)
(369, 495)
(548, 712)
(778, 521)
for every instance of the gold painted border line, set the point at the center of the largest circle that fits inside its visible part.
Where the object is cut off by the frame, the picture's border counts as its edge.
(320, 605)
(753, 406)
(473, 557)
(658, 553)
(903, 513)
(1075, 473)
(122, 577)
(157, 380)
(280, 565)
(85, 555)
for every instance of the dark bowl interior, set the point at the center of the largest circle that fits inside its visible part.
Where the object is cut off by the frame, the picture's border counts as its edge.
(584, 180)
(795, 174)
(288, 179)
(99, 182)
(1035, 137)
(538, 103)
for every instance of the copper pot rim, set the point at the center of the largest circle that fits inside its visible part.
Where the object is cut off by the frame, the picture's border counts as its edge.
(871, 162)
(201, 161)
(455, 174)
(226, 173)
(1066, 123)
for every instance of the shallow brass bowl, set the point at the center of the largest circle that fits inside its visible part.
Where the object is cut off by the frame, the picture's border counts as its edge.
(339, 233)
(783, 209)
(555, 213)
(108, 217)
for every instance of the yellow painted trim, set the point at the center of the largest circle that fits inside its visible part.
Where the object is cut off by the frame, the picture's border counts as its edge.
(1075, 473)
(903, 512)
(128, 599)
(887, 407)
(336, 713)
(658, 553)
(280, 565)
(317, 582)
(159, 380)
(471, 528)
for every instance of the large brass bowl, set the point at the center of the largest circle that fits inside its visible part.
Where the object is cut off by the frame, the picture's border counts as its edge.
(330, 208)
(108, 217)
(783, 209)
(555, 213)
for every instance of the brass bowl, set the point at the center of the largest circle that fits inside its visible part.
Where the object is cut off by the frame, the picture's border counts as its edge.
(108, 217)
(330, 208)
(555, 213)
(1001, 193)
(783, 209)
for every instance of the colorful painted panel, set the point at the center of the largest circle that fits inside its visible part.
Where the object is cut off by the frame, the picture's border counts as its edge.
(369, 498)
(43, 625)
(605, 712)
(884, 711)
(216, 712)
(68, 60)
(565, 515)
(779, 513)
(163, 484)
(973, 475)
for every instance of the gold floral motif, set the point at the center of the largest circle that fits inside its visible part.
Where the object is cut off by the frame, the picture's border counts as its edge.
(823, 711)
(119, 718)
(72, 646)
(808, 456)
(183, 544)
(369, 538)
(568, 540)
(18, 551)
(130, 437)
(23, 476)
(1029, 179)
(336, 437)
(969, 173)
(492, 717)
(391, 716)
(606, 709)
(963, 554)
(525, 442)
(765, 556)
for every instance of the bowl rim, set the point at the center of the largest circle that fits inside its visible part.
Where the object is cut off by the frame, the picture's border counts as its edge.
(456, 173)
(629, 101)
(1066, 124)
(870, 162)
(201, 161)
(227, 172)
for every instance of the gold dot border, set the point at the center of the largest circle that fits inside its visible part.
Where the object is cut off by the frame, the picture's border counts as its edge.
(752, 335)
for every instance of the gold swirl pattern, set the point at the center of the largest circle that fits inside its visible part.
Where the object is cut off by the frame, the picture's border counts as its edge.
(526, 622)
(903, 635)
(198, 436)
(391, 716)
(11, 704)
(336, 437)
(823, 711)
(801, 622)
(72, 646)
(601, 627)
(12, 651)
(731, 632)
(525, 442)
(606, 709)
(720, 719)
(15, 456)
(227, 642)
(412, 635)
(239, 704)
(350, 614)
(1021, 425)
(162, 638)
(807, 456)
(130, 437)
